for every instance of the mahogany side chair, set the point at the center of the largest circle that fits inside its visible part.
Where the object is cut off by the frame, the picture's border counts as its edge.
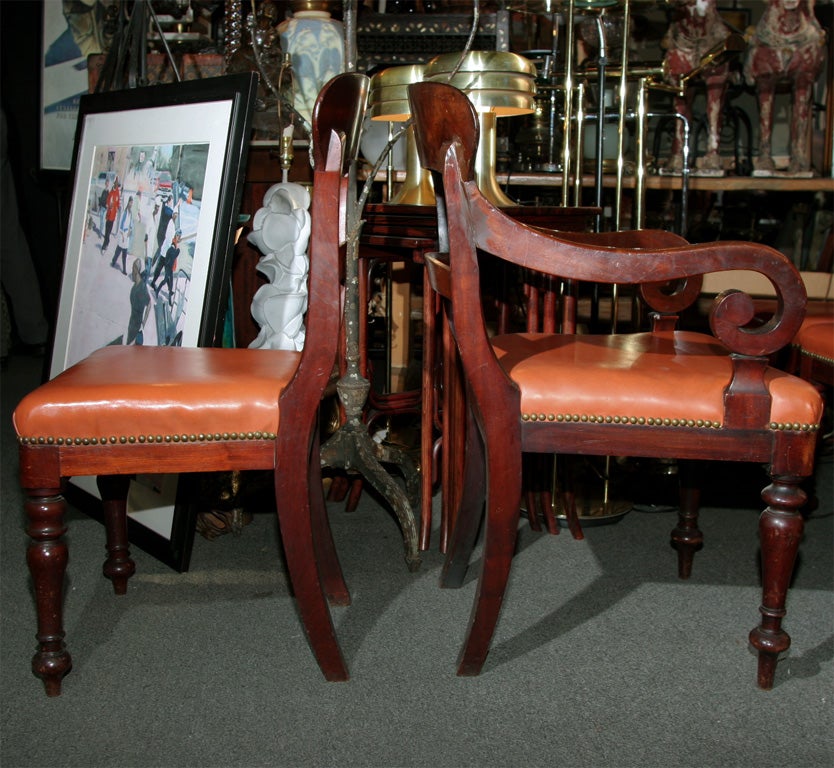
(131, 409)
(664, 393)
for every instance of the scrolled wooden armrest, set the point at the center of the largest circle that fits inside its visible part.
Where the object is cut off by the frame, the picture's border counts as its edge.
(668, 297)
(732, 313)
(672, 296)
(682, 265)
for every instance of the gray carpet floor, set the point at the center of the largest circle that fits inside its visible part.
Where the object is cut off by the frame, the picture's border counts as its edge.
(602, 656)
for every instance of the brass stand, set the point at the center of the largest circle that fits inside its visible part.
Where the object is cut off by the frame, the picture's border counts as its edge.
(351, 447)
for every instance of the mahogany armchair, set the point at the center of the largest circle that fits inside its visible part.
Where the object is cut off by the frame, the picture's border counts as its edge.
(131, 409)
(666, 393)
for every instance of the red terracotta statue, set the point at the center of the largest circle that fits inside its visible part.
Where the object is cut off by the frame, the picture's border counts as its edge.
(788, 45)
(697, 28)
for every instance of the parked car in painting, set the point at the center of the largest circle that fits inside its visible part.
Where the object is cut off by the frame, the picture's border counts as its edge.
(164, 182)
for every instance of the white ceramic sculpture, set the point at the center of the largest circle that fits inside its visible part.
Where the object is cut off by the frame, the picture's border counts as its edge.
(281, 231)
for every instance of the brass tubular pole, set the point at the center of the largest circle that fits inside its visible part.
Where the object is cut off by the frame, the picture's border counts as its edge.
(579, 148)
(634, 71)
(615, 299)
(389, 177)
(349, 22)
(684, 225)
(602, 63)
(622, 121)
(554, 50)
(566, 122)
(640, 151)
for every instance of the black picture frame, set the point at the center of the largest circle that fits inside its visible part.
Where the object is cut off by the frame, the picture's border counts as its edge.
(176, 148)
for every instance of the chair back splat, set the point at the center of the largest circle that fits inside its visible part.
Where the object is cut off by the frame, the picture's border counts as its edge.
(664, 393)
(132, 409)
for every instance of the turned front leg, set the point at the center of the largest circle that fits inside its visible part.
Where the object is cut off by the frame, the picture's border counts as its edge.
(780, 530)
(47, 560)
(686, 536)
(118, 567)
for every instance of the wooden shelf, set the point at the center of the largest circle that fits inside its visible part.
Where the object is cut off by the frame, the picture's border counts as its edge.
(653, 181)
(699, 183)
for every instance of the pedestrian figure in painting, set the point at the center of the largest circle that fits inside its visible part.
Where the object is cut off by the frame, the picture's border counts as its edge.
(168, 262)
(140, 304)
(166, 214)
(102, 207)
(114, 202)
(788, 45)
(139, 241)
(124, 236)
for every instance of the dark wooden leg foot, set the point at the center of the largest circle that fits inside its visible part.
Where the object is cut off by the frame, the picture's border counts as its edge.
(301, 553)
(572, 516)
(354, 494)
(503, 493)
(469, 513)
(339, 486)
(531, 482)
(332, 578)
(119, 566)
(427, 404)
(499, 546)
(780, 531)
(47, 560)
(687, 537)
(549, 472)
(567, 494)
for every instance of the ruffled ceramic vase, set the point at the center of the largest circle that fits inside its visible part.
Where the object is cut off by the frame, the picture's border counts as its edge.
(281, 231)
(316, 45)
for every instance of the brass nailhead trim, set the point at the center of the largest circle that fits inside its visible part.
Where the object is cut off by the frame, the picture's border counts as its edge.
(142, 439)
(654, 422)
(793, 427)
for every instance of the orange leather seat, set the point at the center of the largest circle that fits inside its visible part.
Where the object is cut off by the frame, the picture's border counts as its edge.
(654, 378)
(815, 344)
(817, 340)
(117, 396)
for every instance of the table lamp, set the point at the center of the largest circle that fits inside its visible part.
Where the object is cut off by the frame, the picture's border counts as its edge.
(499, 84)
(388, 100)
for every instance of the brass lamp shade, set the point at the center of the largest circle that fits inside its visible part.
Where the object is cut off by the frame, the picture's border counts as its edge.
(499, 84)
(388, 100)
(388, 97)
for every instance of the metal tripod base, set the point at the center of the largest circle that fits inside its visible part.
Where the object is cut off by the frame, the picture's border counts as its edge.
(352, 449)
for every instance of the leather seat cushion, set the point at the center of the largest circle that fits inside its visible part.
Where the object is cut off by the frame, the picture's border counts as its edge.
(817, 339)
(131, 391)
(669, 375)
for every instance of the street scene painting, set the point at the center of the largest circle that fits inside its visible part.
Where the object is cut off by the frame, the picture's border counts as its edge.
(148, 250)
(138, 246)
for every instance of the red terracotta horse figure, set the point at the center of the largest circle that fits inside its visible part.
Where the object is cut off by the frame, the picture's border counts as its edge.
(697, 29)
(788, 45)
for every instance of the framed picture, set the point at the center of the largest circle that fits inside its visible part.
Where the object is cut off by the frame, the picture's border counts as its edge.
(71, 32)
(158, 179)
